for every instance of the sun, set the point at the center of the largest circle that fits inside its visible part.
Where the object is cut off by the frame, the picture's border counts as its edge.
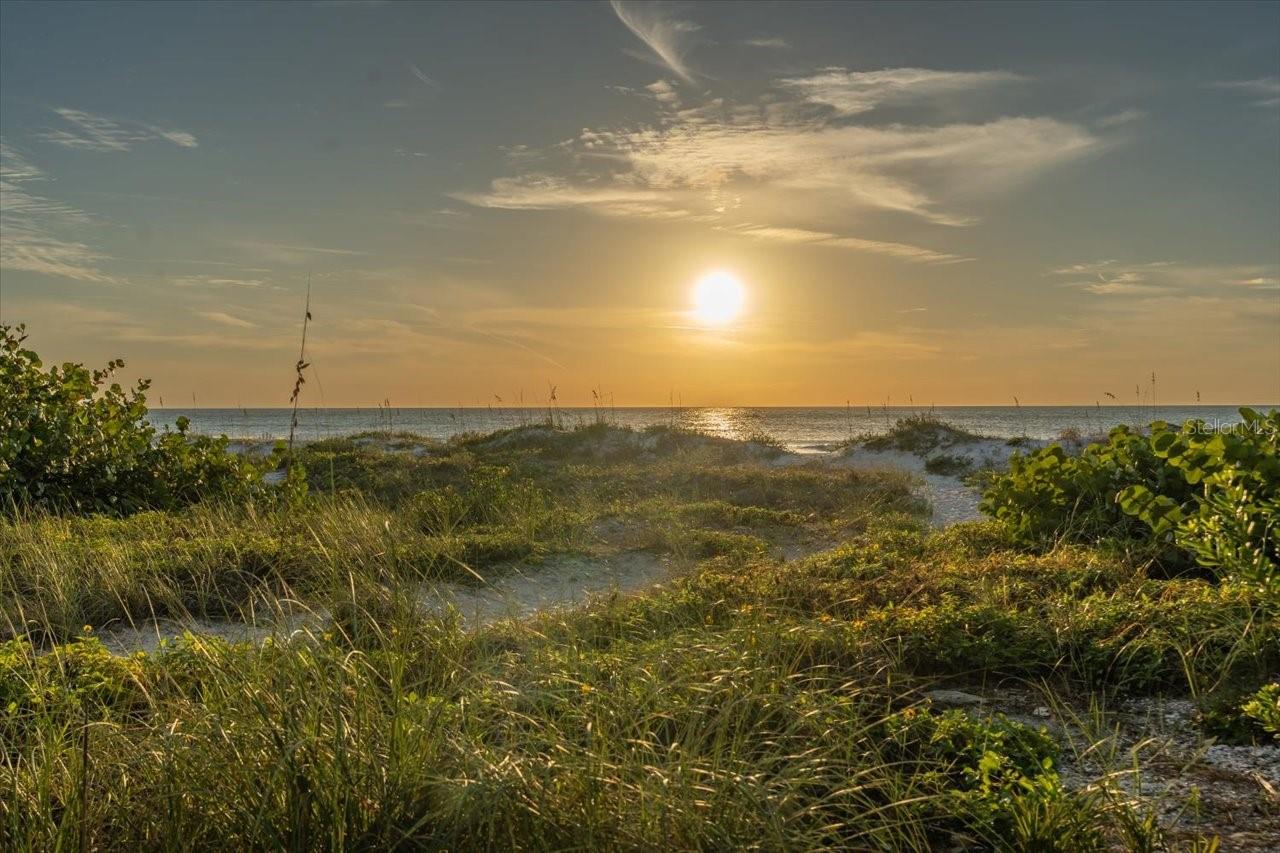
(718, 298)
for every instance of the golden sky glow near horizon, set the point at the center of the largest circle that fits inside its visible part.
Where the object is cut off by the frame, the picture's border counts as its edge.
(760, 204)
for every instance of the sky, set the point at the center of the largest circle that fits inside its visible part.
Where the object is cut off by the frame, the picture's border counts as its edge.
(952, 203)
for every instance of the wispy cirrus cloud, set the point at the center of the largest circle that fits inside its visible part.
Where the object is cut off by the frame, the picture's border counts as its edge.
(902, 251)
(219, 340)
(39, 252)
(1259, 282)
(37, 229)
(663, 33)
(1121, 118)
(423, 77)
(734, 165)
(1265, 90)
(224, 319)
(216, 281)
(289, 253)
(91, 132)
(909, 344)
(1168, 279)
(768, 42)
(853, 92)
(540, 191)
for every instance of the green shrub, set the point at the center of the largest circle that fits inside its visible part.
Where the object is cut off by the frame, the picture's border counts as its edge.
(1240, 714)
(1189, 494)
(1231, 526)
(1263, 708)
(72, 681)
(1049, 495)
(71, 442)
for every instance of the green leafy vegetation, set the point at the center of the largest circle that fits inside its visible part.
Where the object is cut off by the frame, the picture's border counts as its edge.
(1187, 496)
(1263, 708)
(71, 441)
(1233, 524)
(1050, 495)
(1243, 717)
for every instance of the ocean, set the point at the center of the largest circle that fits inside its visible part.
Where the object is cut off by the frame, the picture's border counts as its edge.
(799, 429)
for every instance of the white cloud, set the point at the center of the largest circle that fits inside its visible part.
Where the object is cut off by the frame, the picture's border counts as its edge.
(664, 93)
(216, 281)
(1168, 279)
(547, 192)
(217, 340)
(853, 92)
(287, 253)
(1126, 283)
(33, 251)
(665, 35)
(225, 319)
(772, 43)
(1121, 118)
(1265, 89)
(15, 167)
(92, 132)
(903, 251)
(1260, 282)
(423, 77)
(736, 165)
(177, 137)
(35, 228)
(785, 235)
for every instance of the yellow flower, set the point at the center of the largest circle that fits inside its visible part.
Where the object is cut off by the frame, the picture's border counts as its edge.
(87, 629)
(586, 688)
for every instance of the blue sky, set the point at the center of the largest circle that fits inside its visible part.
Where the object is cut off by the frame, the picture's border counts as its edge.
(957, 202)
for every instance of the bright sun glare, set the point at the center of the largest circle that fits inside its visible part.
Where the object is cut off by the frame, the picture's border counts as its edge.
(718, 299)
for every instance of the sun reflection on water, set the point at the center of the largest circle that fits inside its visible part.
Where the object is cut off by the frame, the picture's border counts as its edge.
(735, 423)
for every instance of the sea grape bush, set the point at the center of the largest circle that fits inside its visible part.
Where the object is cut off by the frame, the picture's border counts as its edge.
(1231, 526)
(71, 442)
(1050, 494)
(1190, 493)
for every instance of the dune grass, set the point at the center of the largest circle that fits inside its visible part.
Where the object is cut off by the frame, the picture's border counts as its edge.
(746, 705)
(750, 702)
(921, 434)
(386, 518)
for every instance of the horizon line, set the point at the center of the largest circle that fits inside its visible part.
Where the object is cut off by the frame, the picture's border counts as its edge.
(838, 407)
